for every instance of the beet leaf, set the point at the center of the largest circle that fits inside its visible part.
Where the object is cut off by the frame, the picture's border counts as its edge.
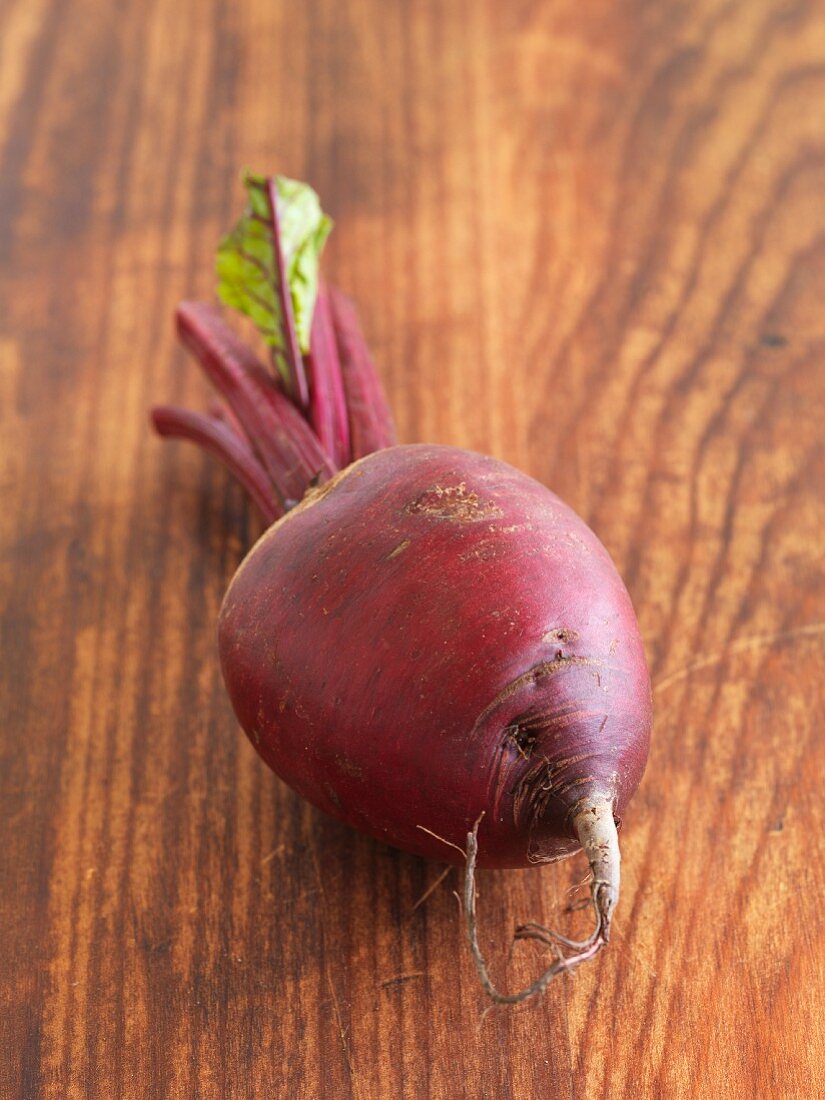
(266, 250)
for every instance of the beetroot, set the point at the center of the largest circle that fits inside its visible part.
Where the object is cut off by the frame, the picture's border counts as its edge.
(431, 635)
(430, 646)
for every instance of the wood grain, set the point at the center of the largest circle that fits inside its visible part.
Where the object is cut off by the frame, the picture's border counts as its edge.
(588, 238)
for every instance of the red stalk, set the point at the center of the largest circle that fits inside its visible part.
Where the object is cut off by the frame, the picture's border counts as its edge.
(218, 411)
(370, 420)
(292, 352)
(327, 401)
(218, 437)
(282, 439)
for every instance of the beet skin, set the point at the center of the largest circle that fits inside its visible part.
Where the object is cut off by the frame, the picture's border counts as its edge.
(433, 634)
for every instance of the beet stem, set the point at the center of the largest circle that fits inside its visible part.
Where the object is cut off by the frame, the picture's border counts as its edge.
(219, 437)
(596, 829)
(278, 433)
(371, 425)
(327, 400)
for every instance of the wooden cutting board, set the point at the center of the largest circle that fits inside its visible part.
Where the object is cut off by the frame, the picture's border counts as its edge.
(586, 237)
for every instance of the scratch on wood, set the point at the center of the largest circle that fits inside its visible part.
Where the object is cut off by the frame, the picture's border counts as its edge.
(432, 887)
(271, 855)
(740, 645)
(343, 1033)
(401, 979)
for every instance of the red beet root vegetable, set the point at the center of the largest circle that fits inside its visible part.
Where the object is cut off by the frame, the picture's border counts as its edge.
(426, 643)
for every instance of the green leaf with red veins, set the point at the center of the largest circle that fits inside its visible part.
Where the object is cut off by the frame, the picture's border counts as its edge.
(247, 267)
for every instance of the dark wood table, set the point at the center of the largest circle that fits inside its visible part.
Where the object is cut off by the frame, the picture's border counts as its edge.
(586, 237)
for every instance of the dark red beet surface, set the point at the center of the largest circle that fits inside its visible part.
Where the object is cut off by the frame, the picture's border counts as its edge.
(432, 634)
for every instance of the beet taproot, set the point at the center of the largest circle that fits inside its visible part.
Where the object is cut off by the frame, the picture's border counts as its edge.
(433, 634)
(426, 643)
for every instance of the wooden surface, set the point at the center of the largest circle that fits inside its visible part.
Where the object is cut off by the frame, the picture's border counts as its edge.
(587, 238)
